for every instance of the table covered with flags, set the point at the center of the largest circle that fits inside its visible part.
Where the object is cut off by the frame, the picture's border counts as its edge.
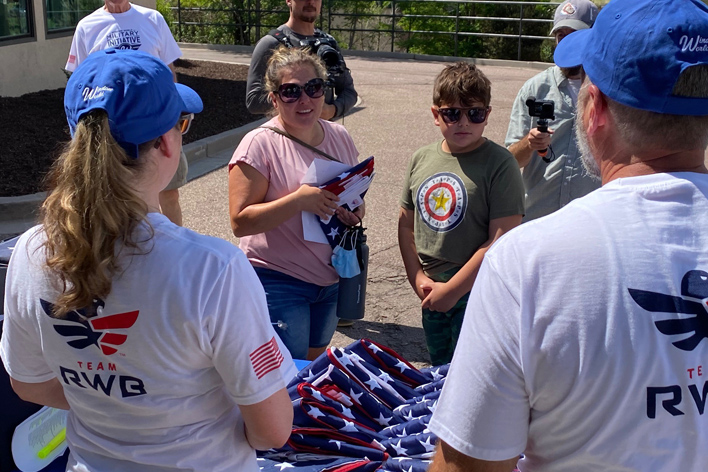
(360, 408)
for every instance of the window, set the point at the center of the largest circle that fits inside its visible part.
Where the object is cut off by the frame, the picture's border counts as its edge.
(65, 14)
(15, 19)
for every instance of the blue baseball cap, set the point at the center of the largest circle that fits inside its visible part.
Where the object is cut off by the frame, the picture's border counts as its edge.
(637, 49)
(136, 90)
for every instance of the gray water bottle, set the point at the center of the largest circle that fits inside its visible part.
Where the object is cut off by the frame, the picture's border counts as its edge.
(351, 303)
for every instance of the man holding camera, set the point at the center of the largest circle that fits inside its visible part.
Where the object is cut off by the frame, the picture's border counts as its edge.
(555, 177)
(300, 31)
(588, 345)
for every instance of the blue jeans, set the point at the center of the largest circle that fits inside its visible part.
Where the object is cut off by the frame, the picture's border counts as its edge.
(303, 314)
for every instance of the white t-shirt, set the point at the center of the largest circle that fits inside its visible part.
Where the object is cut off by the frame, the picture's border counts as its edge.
(153, 381)
(139, 28)
(565, 354)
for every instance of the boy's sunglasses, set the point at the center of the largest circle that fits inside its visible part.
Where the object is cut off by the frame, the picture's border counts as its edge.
(185, 121)
(290, 93)
(453, 115)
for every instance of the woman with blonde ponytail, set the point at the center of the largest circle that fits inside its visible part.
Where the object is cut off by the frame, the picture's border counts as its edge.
(92, 208)
(128, 320)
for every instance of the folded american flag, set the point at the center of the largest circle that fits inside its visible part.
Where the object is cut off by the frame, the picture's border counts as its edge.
(357, 409)
(352, 180)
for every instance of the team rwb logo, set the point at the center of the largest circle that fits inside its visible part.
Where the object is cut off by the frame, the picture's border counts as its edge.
(90, 328)
(441, 201)
(693, 301)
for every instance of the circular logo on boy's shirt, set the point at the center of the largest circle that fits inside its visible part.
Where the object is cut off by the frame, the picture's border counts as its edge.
(441, 201)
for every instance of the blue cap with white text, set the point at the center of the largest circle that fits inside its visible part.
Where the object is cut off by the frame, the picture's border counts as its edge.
(637, 49)
(136, 90)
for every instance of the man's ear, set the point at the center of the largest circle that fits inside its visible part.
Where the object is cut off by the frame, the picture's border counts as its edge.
(436, 115)
(596, 110)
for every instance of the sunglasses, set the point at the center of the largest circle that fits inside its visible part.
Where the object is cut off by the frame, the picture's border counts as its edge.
(290, 93)
(183, 124)
(453, 115)
(185, 121)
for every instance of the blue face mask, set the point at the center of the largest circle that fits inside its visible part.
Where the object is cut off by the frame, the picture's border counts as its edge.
(345, 262)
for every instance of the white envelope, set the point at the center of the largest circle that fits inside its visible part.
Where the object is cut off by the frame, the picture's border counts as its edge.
(34, 434)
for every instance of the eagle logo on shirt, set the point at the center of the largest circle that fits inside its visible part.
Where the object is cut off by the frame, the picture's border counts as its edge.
(441, 201)
(693, 301)
(89, 328)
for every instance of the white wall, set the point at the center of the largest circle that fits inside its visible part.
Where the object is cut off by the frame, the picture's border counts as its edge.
(37, 65)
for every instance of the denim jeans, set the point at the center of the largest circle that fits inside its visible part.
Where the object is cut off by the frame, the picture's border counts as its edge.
(303, 314)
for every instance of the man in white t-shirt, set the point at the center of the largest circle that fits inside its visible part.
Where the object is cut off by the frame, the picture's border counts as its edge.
(552, 180)
(583, 347)
(121, 25)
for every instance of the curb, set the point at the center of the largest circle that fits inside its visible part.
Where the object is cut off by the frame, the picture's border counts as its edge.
(18, 214)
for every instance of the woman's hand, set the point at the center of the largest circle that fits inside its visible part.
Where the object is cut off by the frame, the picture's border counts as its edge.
(322, 203)
(350, 218)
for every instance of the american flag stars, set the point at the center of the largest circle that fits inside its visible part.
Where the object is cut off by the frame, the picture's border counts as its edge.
(360, 409)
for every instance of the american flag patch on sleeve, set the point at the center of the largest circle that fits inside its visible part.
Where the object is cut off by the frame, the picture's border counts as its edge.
(266, 358)
(72, 59)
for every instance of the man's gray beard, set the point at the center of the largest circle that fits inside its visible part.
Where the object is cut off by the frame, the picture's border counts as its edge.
(581, 136)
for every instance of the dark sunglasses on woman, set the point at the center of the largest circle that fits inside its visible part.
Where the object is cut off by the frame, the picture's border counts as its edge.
(453, 115)
(290, 93)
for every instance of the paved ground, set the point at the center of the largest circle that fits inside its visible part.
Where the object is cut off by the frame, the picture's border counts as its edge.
(392, 121)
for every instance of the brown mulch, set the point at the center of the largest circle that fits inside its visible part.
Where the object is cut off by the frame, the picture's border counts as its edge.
(33, 127)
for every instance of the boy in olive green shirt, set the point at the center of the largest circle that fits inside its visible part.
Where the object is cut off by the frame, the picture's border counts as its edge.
(460, 195)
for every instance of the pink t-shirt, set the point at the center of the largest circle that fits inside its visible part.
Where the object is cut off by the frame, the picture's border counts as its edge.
(284, 163)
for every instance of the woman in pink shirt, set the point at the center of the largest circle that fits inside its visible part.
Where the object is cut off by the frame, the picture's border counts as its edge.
(266, 200)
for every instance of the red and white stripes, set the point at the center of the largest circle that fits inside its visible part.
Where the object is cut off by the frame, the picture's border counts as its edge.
(266, 358)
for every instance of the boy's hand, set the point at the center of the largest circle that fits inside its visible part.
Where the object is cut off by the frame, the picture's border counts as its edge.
(422, 280)
(438, 297)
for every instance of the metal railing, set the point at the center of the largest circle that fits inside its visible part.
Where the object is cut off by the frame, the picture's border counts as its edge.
(375, 25)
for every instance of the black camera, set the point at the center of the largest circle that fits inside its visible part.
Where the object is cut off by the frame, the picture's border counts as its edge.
(325, 49)
(544, 110)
